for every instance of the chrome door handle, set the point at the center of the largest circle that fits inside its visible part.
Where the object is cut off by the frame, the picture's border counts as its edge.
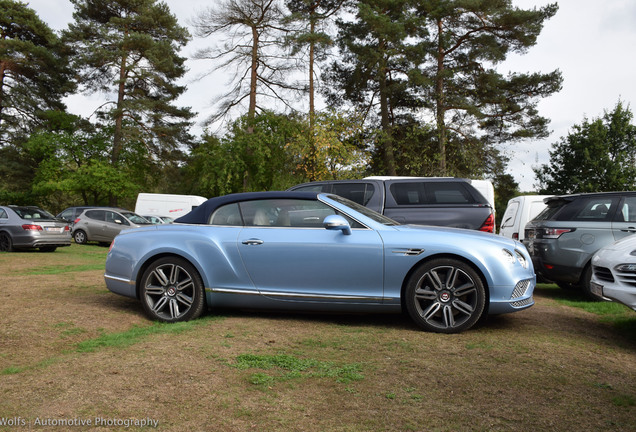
(252, 242)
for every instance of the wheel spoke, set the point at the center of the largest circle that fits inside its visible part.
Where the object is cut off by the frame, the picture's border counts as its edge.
(154, 290)
(449, 317)
(160, 304)
(425, 294)
(463, 307)
(465, 289)
(174, 309)
(184, 299)
(161, 277)
(435, 279)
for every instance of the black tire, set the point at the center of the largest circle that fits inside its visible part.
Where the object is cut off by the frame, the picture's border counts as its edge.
(171, 290)
(584, 283)
(6, 244)
(445, 296)
(80, 237)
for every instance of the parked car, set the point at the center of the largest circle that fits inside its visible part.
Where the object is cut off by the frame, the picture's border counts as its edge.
(441, 201)
(71, 213)
(563, 238)
(153, 219)
(614, 272)
(166, 219)
(519, 212)
(26, 227)
(103, 224)
(317, 252)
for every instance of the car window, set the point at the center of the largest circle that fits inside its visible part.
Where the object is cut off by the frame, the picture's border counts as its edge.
(596, 209)
(67, 214)
(360, 193)
(134, 218)
(627, 212)
(448, 193)
(314, 188)
(99, 215)
(285, 213)
(112, 217)
(33, 213)
(3, 214)
(420, 193)
(509, 216)
(228, 215)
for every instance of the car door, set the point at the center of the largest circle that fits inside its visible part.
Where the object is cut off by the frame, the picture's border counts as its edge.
(114, 223)
(289, 255)
(624, 223)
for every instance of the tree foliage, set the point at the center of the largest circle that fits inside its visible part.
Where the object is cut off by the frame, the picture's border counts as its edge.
(251, 31)
(598, 155)
(412, 60)
(34, 72)
(129, 49)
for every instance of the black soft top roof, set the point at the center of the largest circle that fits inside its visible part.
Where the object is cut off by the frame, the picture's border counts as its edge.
(201, 214)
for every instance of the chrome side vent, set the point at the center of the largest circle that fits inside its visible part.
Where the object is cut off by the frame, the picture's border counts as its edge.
(409, 252)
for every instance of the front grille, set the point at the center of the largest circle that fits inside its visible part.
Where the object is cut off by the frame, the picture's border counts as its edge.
(520, 289)
(603, 273)
(626, 277)
(521, 303)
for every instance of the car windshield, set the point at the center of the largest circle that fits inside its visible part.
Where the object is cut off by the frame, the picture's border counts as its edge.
(376, 217)
(135, 218)
(33, 213)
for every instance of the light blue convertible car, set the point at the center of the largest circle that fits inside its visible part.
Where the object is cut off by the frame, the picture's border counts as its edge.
(307, 251)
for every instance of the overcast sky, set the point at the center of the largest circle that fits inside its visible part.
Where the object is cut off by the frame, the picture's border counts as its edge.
(592, 42)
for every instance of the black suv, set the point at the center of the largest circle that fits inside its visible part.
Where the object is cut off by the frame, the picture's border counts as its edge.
(563, 238)
(440, 201)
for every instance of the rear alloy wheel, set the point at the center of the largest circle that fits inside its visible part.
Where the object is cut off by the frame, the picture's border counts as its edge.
(172, 290)
(6, 244)
(445, 296)
(80, 237)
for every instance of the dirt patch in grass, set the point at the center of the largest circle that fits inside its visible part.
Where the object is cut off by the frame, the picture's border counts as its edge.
(72, 351)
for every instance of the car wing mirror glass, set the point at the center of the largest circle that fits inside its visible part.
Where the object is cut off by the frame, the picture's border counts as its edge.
(337, 222)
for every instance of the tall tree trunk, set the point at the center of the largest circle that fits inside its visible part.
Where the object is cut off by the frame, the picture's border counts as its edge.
(312, 112)
(119, 121)
(387, 139)
(440, 109)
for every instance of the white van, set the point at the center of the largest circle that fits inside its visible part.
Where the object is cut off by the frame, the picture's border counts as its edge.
(173, 206)
(519, 212)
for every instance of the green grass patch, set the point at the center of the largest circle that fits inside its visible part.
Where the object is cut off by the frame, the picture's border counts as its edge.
(53, 270)
(136, 334)
(285, 367)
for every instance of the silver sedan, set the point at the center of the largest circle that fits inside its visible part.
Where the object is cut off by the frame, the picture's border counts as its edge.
(26, 227)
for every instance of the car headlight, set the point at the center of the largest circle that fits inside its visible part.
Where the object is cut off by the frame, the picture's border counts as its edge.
(514, 257)
(522, 259)
(628, 268)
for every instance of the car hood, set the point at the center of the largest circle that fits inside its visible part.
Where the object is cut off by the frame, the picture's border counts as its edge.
(464, 233)
(624, 245)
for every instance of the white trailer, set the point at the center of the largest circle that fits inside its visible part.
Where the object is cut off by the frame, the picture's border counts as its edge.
(173, 206)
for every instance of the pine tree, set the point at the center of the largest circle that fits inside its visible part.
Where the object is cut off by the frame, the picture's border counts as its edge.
(129, 49)
(34, 73)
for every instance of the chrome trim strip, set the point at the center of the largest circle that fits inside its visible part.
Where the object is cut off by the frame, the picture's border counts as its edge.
(409, 252)
(291, 295)
(119, 279)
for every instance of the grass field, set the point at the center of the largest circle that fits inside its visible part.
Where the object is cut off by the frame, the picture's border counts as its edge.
(74, 356)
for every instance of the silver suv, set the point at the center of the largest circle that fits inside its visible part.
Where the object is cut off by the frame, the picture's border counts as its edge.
(563, 238)
(103, 224)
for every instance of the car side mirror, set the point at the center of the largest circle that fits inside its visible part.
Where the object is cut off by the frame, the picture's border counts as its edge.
(337, 222)
(117, 221)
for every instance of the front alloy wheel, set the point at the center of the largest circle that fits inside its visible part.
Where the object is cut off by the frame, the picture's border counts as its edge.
(172, 290)
(445, 296)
